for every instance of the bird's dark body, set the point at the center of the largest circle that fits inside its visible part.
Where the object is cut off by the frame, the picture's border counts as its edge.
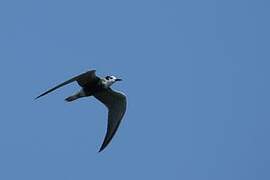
(89, 88)
(92, 89)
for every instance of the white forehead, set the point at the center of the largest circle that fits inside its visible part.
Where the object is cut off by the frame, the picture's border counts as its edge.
(113, 77)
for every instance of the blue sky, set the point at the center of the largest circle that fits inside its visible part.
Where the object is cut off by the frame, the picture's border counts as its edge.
(196, 74)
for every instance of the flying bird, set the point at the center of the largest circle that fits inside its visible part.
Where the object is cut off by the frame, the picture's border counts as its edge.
(100, 88)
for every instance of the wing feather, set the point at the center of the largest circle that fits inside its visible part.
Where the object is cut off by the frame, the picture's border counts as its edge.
(82, 79)
(116, 103)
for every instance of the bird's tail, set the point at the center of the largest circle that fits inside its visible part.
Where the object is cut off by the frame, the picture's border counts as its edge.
(71, 98)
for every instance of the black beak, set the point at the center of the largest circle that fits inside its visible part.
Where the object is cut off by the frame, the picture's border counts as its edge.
(118, 80)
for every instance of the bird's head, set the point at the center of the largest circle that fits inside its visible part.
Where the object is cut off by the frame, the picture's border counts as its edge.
(111, 79)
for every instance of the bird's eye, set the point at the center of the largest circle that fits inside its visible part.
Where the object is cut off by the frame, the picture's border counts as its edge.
(108, 77)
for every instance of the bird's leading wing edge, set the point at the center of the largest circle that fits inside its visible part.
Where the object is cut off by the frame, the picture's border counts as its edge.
(81, 79)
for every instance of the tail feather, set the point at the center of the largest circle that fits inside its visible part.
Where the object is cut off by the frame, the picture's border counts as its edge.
(71, 98)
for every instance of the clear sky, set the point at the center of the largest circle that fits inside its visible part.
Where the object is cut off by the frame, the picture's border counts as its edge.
(196, 74)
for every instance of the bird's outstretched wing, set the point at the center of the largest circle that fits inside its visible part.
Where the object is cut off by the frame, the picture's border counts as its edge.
(116, 103)
(83, 80)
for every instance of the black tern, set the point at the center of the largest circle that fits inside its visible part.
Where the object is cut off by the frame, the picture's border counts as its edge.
(92, 85)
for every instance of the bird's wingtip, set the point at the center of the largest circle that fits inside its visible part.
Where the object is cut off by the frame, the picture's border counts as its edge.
(103, 146)
(101, 149)
(37, 97)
